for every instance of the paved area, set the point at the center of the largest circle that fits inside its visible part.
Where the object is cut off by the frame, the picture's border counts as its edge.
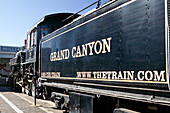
(12, 102)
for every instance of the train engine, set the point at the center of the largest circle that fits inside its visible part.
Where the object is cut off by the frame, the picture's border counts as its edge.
(114, 56)
(16, 73)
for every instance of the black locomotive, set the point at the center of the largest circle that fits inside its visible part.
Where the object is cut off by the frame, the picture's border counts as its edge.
(116, 55)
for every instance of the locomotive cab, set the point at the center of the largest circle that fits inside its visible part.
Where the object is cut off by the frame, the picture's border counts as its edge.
(31, 44)
(28, 67)
(45, 26)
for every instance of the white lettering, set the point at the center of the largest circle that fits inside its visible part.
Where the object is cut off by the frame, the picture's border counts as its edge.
(73, 50)
(159, 77)
(124, 75)
(106, 45)
(139, 75)
(60, 55)
(100, 47)
(148, 75)
(91, 44)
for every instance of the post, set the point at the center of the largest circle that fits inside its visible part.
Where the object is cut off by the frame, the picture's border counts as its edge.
(98, 3)
(34, 85)
(35, 92)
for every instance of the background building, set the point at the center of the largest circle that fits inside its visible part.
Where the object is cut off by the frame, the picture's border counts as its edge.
(6, 53)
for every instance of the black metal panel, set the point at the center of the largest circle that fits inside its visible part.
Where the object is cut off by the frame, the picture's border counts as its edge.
(81, 103)
(86, 108)
(137, 31)
(31, 54)
(74, 103)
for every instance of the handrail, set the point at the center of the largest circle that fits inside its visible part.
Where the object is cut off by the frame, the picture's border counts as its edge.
(98, 5)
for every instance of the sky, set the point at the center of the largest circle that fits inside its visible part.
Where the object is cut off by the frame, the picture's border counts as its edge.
(18, 16)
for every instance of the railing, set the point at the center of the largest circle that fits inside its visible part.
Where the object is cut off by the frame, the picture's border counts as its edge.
(98, 5)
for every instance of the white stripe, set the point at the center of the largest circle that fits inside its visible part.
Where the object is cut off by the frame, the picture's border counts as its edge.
(33, 103)
(11, 104)
(92, 19)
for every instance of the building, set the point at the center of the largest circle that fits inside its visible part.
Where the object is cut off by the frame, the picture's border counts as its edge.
(6, 53)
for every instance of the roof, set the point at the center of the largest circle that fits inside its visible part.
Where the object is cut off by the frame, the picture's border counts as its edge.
(47, 17)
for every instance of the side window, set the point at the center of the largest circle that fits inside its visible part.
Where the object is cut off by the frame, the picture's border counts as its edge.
(44, 32)
(33, 38)
(28, 40)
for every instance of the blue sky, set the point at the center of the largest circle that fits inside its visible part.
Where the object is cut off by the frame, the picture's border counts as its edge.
(17, 16)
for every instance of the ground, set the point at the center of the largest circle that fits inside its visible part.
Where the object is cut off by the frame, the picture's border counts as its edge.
(13, 102)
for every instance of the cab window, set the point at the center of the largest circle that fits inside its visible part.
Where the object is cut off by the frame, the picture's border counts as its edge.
(44, 32)
(28, 40)
(33, 38)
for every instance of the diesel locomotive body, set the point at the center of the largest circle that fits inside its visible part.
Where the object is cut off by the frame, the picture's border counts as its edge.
(117, 55)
